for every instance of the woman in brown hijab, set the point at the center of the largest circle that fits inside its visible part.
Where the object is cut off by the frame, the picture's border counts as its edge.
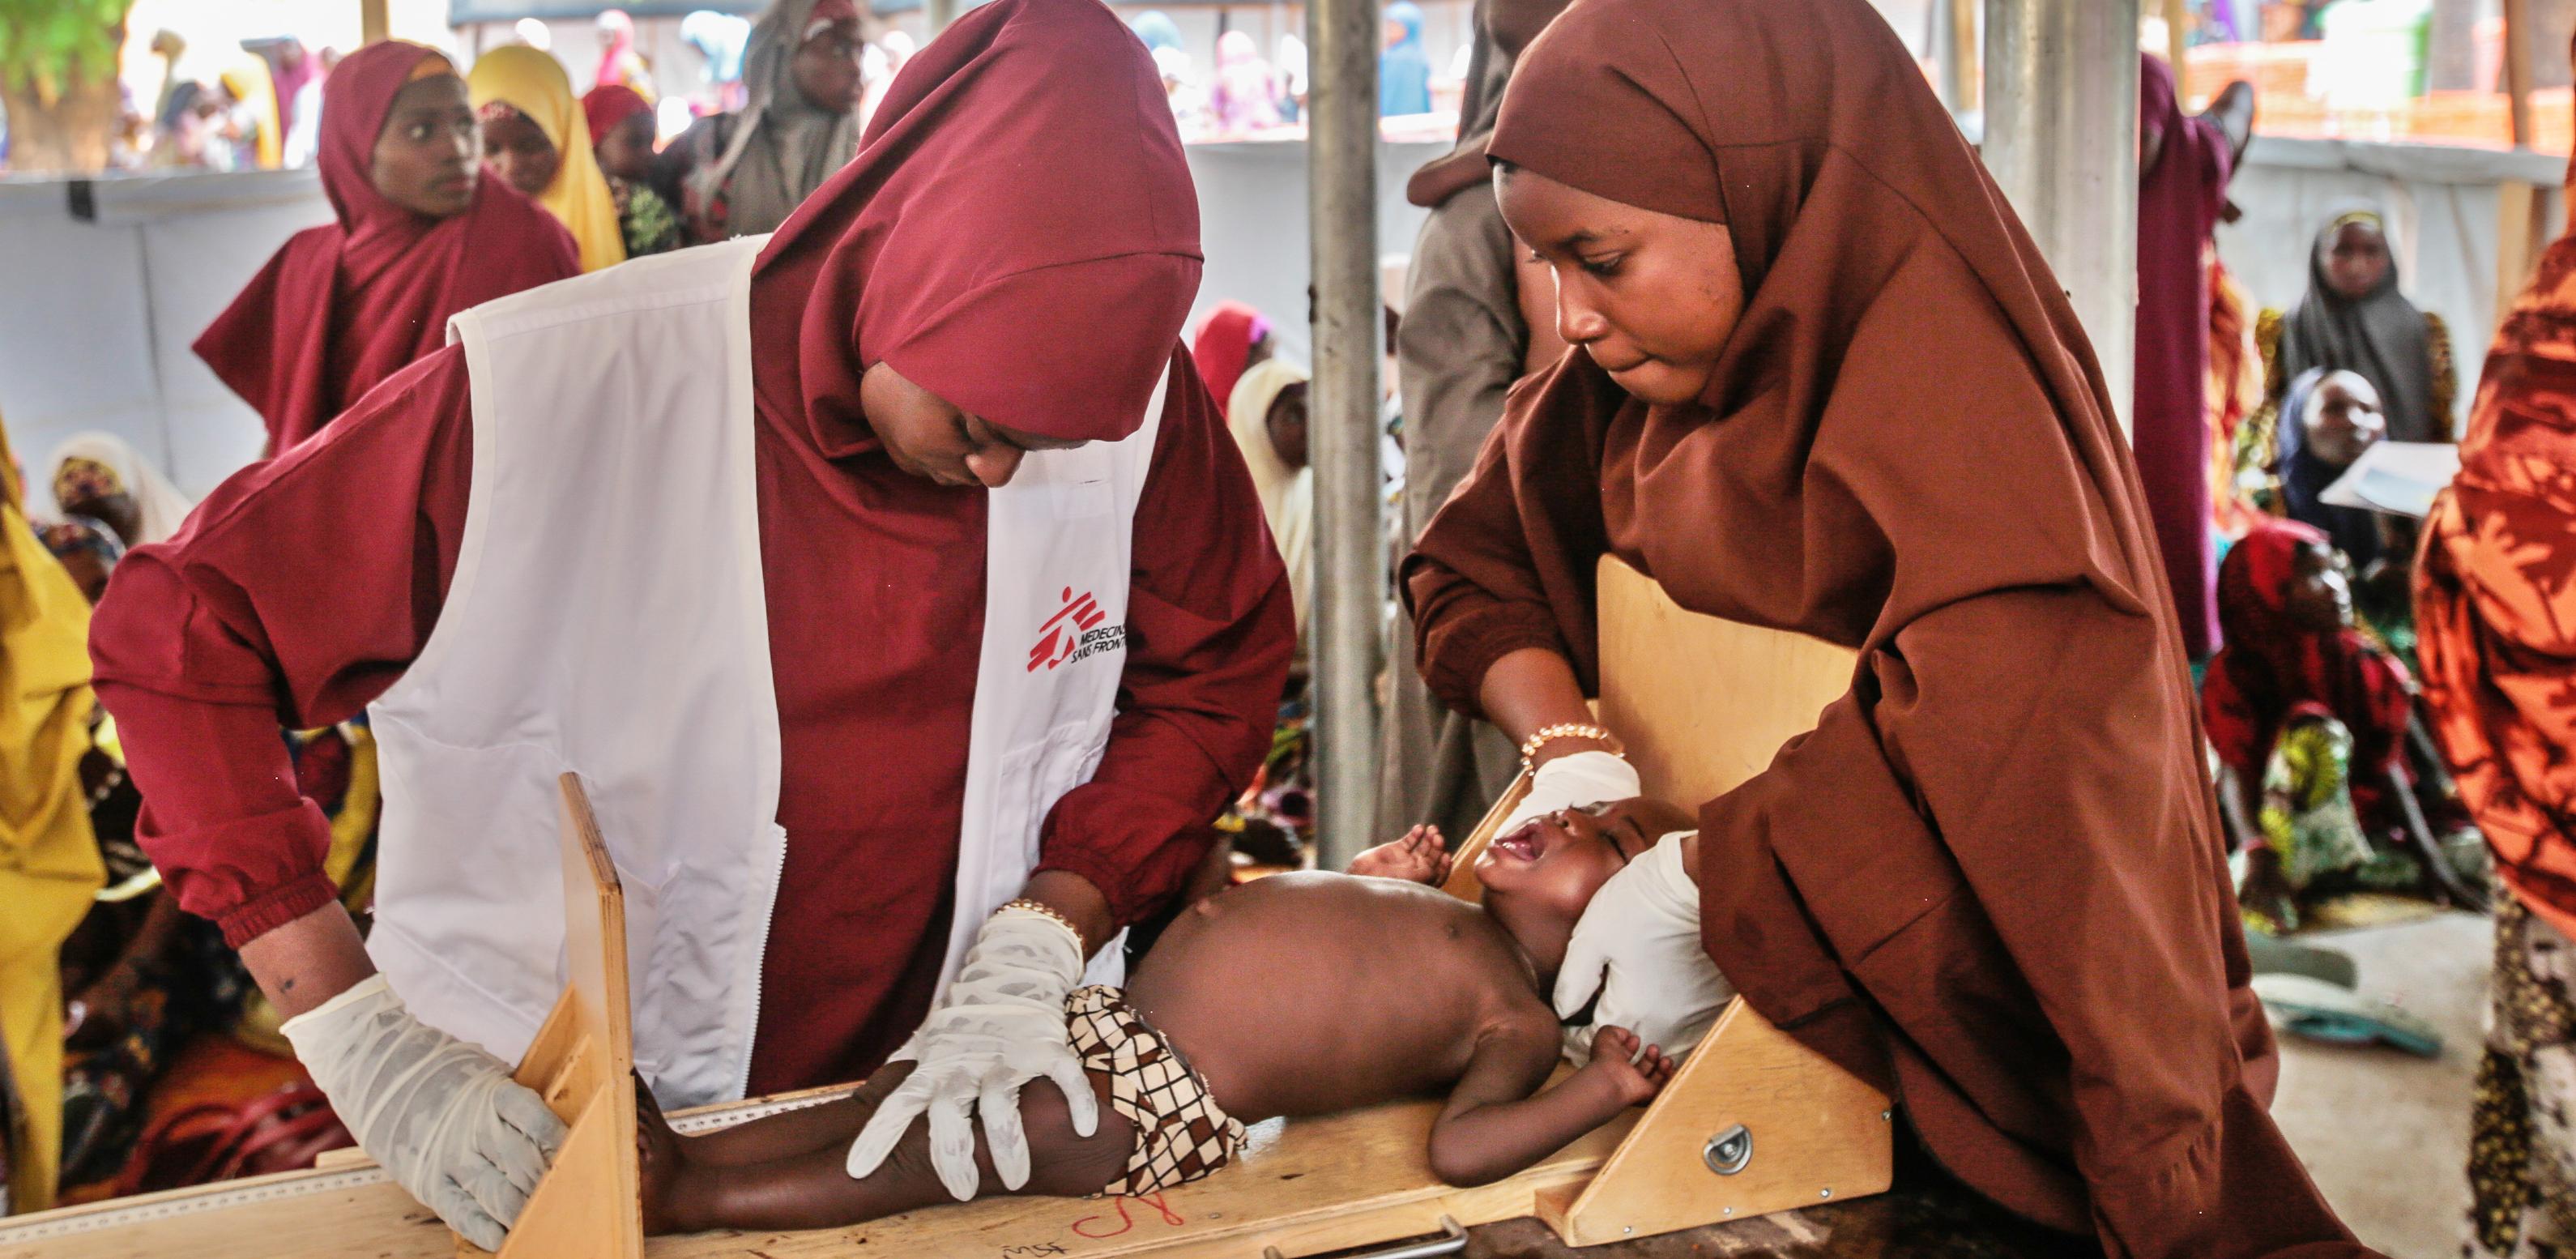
(1818, 352)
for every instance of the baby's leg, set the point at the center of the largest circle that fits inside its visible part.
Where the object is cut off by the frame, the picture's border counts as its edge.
(804, 1182)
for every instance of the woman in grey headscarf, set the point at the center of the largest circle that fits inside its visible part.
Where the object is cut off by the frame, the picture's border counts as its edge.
(743, 173)
(2355, 319)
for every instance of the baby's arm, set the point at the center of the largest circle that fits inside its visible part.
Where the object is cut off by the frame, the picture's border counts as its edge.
(1493, 1127)
(1419, 857)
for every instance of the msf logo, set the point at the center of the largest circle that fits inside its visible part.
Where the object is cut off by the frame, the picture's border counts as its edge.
(1074, 632)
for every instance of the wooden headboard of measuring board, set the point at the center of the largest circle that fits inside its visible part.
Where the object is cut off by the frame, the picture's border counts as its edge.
(1704, 704)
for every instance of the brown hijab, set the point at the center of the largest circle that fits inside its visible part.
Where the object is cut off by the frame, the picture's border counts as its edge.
(1992, 876)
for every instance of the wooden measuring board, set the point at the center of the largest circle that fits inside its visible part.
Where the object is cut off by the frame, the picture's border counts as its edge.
(582, 1063)
(1305, 1188)
(1703, 704)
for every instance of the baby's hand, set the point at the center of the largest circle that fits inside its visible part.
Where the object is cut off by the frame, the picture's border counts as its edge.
(1634, 1082)
(1416, 858)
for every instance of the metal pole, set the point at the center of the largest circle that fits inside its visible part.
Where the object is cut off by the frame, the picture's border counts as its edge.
(938, 13)
(375, 26)
(2061, 97)
(1959, 55)
(1350, 581)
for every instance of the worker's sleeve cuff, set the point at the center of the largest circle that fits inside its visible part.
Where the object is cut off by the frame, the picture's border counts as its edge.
(1456, 658)
(277, 907)
(1117, 881)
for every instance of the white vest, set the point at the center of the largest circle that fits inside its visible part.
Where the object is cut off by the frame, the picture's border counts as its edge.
(607, 617)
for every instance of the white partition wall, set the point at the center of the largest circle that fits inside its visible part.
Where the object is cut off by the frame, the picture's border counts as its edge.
(99, 315)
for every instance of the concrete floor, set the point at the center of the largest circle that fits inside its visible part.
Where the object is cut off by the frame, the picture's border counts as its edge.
(2387, 1135)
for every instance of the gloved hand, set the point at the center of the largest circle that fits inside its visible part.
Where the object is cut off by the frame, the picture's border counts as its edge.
(1000, 1026)
(1638, 944)
(1575, 781)
(443, 1117)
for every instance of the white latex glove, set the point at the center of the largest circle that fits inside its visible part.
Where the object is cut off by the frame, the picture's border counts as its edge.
(1638, 944)
(443, 1117)
(1576, 781)
(998, 1027)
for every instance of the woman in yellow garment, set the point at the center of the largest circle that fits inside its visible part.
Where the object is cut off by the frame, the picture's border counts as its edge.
(49, 863)
(253, 113)
(535, 138)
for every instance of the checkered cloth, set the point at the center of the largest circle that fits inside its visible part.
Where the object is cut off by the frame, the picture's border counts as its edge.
(1181, 1135)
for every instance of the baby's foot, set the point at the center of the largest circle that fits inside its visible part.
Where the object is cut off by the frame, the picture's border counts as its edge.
(661, 1163)
(1634, 1070)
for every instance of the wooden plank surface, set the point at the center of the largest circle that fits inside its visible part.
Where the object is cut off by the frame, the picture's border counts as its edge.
(1306, 1187)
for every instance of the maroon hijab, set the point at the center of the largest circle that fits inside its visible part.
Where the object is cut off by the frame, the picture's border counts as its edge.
(347, 304)
(1991, 877)
(1224, 347)
(2179, 199)
(1018, 234)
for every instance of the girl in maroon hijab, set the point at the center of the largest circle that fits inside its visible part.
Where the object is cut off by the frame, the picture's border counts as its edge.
(999, 278)
(1232, 339)
(1815, 344)
(418, 236)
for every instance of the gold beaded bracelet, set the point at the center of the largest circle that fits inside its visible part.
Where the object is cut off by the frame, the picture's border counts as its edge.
(1566, 730)
(1043, 910)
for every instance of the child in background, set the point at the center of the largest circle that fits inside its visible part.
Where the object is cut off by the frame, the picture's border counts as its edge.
(621, 136)
(1300, 994)
(2310, 723)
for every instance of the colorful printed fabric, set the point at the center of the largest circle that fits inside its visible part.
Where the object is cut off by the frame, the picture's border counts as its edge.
(1281, 800)
(78, 535)
(2495, 598)
(2307, 814)
(650, 224)
(2522, 1130)
(1181, 1135)
(2235, 390)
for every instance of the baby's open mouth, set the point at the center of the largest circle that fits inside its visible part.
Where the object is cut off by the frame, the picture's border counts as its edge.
(1522, 844)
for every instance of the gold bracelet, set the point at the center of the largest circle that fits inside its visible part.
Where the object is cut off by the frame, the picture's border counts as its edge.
(1043, 910)
(1567, 730)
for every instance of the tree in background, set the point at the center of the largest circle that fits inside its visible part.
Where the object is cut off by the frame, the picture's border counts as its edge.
(58, 81)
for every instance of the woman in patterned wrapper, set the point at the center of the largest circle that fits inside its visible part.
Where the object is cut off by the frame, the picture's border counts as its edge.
(2495, 599)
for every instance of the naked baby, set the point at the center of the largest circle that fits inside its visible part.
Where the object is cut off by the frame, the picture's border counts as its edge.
(1299, 994)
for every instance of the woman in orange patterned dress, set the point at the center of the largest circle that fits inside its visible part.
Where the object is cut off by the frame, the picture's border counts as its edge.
(2495, 600)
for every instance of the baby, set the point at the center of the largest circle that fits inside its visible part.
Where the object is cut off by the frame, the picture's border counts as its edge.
(1300, 994)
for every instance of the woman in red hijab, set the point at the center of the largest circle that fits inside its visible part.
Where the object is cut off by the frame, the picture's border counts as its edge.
(1814, 342)
(1232, 338)
(887, 504)
(2309, 720)
(418, 236)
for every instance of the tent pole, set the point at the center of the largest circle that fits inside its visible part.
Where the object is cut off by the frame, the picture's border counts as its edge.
(1350, 584)
(2061, 111)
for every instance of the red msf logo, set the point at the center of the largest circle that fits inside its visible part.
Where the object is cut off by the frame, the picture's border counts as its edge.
(1061, 636)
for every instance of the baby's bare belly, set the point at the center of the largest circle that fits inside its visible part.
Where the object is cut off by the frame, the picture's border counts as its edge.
(1309, 993)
